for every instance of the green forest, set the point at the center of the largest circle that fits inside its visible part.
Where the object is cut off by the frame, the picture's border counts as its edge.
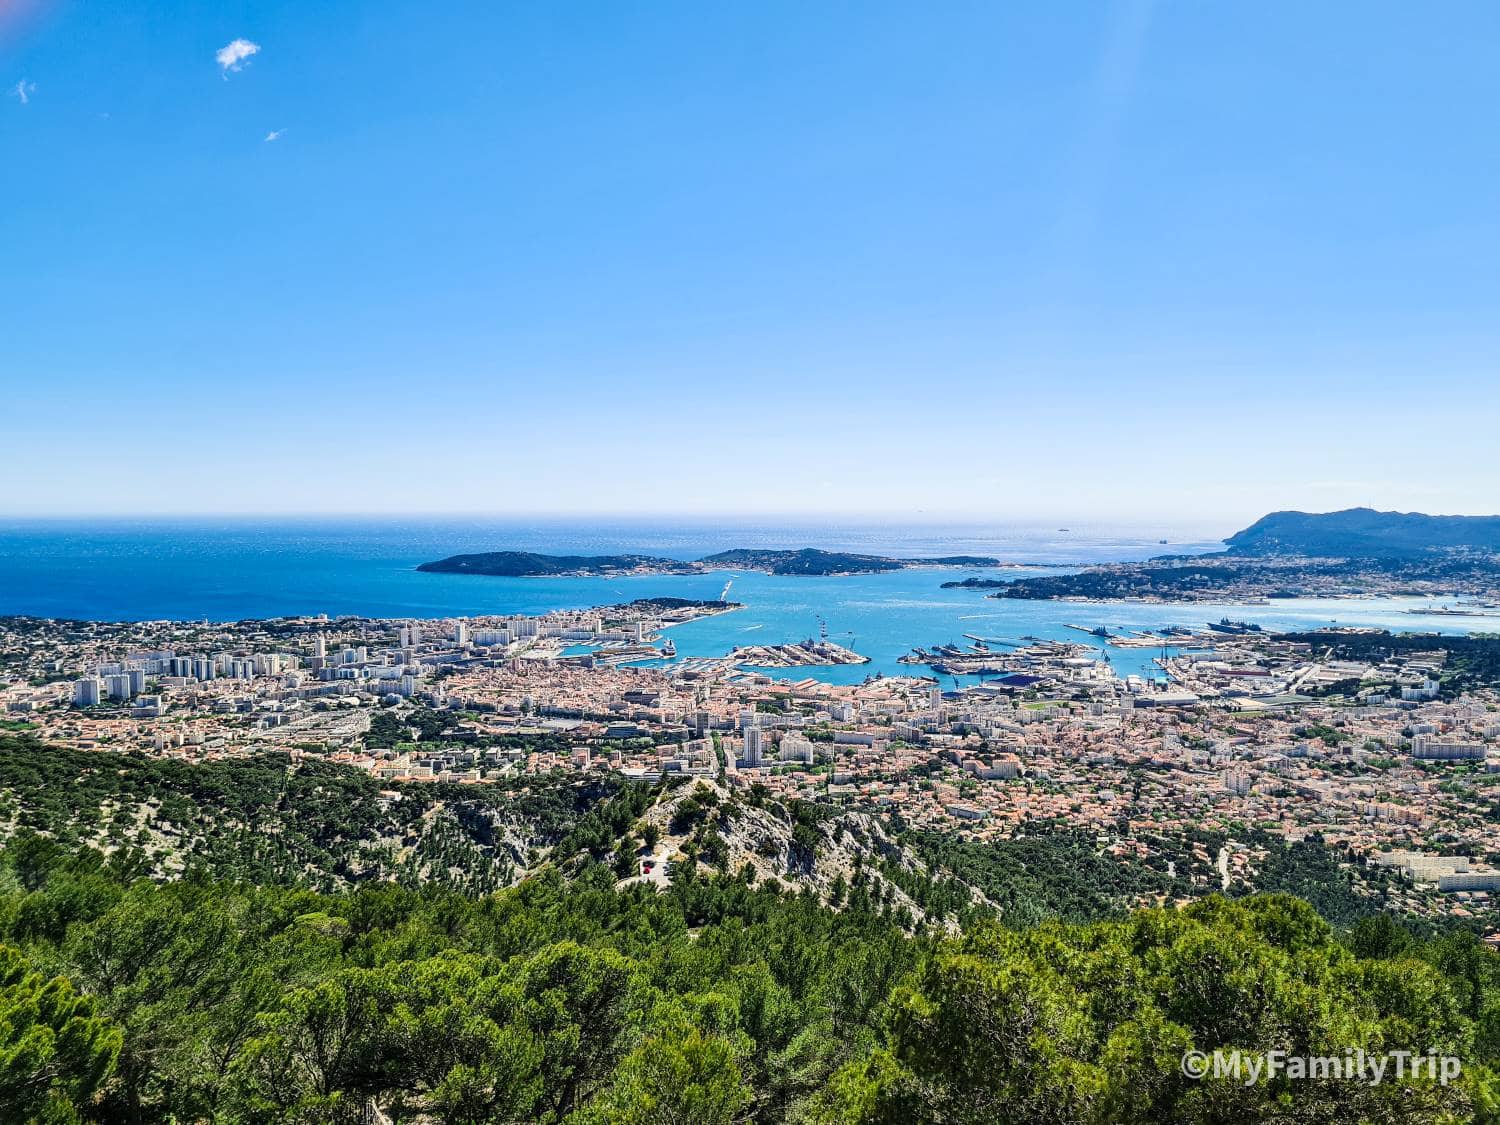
(128, 1000)
(296, 983)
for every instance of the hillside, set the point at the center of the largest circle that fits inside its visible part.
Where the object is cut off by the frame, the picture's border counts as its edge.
(526, 564)
(1364, 533)
(270, 821)
(1301, 555)
(268, 941)
(811, 561)
(717, 1002)
(807, 561)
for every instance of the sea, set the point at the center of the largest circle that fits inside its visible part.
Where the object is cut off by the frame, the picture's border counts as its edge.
(235, 569)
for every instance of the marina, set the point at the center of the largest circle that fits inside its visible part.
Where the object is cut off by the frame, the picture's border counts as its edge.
(237, 571)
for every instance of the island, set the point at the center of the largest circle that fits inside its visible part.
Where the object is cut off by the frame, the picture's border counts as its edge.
(807, 561)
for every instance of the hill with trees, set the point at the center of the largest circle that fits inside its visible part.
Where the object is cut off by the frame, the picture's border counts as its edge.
(1299, 554)
(126, 1000)
(501, 962)
(810, 561)
(1364, 533)
(528, 564)
(807, 562)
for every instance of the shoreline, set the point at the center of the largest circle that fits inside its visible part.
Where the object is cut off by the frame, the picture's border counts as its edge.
(1252, 603)
(664, 572)
(807, 562)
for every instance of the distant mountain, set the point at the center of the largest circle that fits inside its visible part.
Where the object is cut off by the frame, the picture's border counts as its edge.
(525, 564)
(1363, 533)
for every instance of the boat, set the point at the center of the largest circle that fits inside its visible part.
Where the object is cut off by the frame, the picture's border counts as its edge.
(1234, 628)
(1451, 611)
(987, 641)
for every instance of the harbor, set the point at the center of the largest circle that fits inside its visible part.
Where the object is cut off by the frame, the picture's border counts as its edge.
(805, 654)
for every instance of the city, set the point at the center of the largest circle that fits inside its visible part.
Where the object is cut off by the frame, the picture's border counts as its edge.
(749, 564)
(1248, 734)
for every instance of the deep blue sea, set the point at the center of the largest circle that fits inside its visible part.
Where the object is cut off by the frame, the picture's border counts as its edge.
(131, 570)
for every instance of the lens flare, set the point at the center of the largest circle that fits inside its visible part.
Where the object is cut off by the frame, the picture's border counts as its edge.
(16, 16)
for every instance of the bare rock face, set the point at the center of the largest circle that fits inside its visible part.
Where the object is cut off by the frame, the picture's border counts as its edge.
(722, 830)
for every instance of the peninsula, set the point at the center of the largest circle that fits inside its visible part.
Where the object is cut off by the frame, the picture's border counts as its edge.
(1366, 534)
(526, 564)
(807, 562)
(810, 561)
(1300, 555)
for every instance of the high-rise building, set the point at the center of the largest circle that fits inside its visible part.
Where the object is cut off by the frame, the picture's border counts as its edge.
(795, 748)
(86, 692)
(754, 745)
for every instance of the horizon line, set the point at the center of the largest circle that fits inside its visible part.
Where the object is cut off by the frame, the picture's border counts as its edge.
(920, 516)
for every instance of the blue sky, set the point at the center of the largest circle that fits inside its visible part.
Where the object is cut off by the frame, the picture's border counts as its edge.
(1173, 260)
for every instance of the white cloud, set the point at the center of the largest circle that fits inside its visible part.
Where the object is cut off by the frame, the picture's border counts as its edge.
(232, 56)
(23, 90)
(274, 135)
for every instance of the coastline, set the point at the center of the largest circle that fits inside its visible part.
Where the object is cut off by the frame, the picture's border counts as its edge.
(805, 562)
(1255, 602)
(726, 568)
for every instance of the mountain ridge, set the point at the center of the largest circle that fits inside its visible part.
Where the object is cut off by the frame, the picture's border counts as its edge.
(1363, 533)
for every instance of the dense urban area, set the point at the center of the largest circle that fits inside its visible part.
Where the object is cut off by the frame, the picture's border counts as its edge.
(1378, 748)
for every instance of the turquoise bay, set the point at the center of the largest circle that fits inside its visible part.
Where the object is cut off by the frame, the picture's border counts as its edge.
(235, 569)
